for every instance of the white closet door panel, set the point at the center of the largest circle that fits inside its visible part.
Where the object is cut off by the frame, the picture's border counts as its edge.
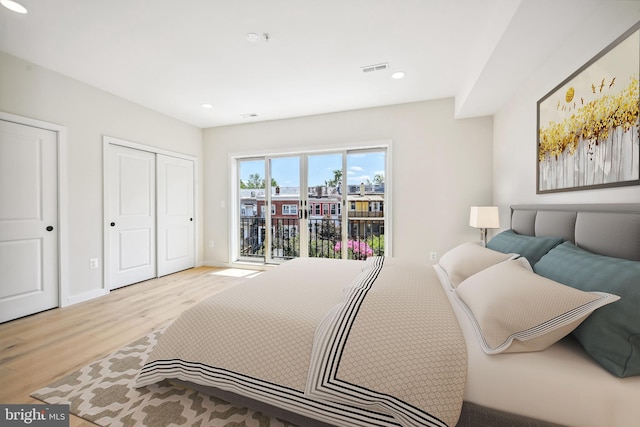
(176, 250)
(132, 221)
(28, 220)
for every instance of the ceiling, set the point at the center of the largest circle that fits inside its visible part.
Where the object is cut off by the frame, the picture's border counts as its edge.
(173, 56)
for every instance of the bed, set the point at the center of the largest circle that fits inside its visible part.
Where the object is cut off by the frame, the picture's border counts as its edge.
(388, 342)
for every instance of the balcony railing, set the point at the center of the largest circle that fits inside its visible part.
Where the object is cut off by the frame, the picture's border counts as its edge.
(365, 238)
(323, 236)
(365, 214)
(252, 237)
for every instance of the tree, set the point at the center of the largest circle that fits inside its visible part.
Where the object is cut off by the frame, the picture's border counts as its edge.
(337, 176)
(378, 179)
(256, 181)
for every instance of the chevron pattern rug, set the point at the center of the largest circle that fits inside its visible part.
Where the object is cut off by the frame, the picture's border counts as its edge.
(102, 393)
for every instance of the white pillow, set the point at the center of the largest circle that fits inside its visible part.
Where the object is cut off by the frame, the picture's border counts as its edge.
(467, 259)
(515, 310)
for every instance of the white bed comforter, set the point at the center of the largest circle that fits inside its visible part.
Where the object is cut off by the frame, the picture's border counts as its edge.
(350, 343)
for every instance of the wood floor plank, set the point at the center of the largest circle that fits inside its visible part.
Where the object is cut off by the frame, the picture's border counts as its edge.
(36, 350)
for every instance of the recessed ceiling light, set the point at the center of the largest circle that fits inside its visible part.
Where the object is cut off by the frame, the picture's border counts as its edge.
(397, 75)
(207, 105)
(13, 6)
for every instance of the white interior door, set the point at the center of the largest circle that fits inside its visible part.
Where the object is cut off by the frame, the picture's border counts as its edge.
(132, 219)
(28, 220)
(175, 214)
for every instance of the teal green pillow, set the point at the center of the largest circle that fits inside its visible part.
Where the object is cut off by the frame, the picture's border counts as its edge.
(611, 334)
(530, 247)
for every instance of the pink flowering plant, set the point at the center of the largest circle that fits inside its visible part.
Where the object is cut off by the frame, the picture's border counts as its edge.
(357, 249)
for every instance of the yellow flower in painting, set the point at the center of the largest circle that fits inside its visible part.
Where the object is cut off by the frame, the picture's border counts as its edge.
(593, 122)
(570, 93)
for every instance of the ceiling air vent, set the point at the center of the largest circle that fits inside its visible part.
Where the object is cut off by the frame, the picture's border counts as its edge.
(376, 67)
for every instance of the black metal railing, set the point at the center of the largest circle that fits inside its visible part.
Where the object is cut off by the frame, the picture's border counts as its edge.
(252, 237)
(285, 238)
(324, 235)
(365, 238)
(365, 214)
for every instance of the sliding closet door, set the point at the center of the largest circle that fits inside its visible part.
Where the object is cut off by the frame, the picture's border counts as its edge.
(175, 214)
(132, 215)
(149, 206)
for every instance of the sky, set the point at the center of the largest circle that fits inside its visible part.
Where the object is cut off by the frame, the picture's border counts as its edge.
(361, 166)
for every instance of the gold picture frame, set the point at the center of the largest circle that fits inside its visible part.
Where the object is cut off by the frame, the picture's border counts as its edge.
(588, 129)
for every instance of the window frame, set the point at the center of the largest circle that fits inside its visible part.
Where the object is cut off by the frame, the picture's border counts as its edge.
(346, 148)
(292, 209)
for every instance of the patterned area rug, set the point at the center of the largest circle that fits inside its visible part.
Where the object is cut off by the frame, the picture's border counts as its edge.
(103, 394)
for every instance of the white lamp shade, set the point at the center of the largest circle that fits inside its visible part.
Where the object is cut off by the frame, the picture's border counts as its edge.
(484, 217)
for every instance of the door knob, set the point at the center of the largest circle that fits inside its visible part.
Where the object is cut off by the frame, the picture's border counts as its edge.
(49, 228)
(113, 224)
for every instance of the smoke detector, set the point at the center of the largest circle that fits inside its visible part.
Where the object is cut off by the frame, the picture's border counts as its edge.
(255, 37)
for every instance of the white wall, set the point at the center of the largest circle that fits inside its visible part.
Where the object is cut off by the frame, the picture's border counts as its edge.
(88, 114)
(515, 125)
(441, 166)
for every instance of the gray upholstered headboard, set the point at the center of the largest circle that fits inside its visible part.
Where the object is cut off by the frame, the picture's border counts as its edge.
(605, 229)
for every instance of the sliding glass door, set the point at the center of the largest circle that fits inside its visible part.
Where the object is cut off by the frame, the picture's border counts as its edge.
(251, 209)
(365, 203)
(326, 205)
(284, 200)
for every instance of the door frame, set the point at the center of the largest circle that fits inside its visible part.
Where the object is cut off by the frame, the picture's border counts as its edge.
(63, 241)
(110, 140)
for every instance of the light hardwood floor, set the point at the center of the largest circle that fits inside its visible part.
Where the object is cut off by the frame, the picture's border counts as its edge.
(38, 349)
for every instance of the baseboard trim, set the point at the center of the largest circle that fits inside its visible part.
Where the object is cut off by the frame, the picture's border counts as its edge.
(75, 299)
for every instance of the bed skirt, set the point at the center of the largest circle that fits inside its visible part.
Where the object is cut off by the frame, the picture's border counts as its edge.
(472, 415)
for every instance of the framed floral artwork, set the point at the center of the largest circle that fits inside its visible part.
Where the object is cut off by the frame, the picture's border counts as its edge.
(588, 128)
